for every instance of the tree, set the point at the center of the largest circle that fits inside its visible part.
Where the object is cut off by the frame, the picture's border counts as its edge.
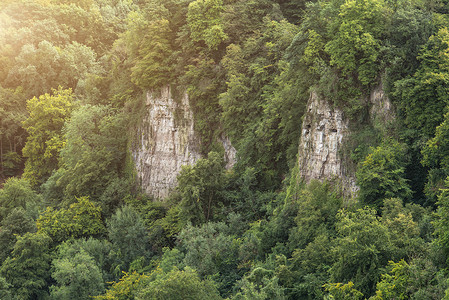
(339, 291)
(424, 97)
(394, 283)
(124, 289)
(17, 223)
(45, 67)
(153, 66)
(5, 292)
(81, 219)
(17, 193)
(311, 238)
(409, 30)
(205, 24)
(160, 285)
(435, 156)
(257, 92)
(94, 153)
(355, 42)
(361, 249)
(12, 135)
(129, 238)
(366, 243)
(260, 284)
(402, 224)
(316, 214)
(76, 274)
(212, 251)
(381, 175)
(178, 285)
(200, 186)
(98, 249)
(293, 10)
(28, 267)
(243, 196)
(418, 279)
(441, 223)
(48, 114)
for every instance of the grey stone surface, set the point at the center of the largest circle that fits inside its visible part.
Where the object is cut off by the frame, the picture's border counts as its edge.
(166, 142)
(324, 130)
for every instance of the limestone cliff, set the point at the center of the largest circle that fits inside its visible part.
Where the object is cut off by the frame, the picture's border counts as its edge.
(324, 130)
(167, 141)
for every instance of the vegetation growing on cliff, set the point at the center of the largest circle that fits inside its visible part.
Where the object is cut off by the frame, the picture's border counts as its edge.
(74, 225)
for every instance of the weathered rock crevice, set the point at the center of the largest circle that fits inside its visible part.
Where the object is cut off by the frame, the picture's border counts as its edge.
(166, 141)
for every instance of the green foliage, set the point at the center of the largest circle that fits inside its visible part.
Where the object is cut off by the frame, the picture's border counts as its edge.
(262, 104)
(5, 293)
(341, 47)
(12, 135)
(211, 250)
(242, 195)
(355, 44)
(125, 288)
(310, 267)
(423, 97)
(418, 279)
(403, 227)
(99, 250)
(316, 214)
(339, 291)
(161, 221)
(45, 67)
(200, 187)
(310, 239)
(44, 126)
(292, 9)
(205, 24)
(363, 245)
(434, 156)
(204, 83)
(381, 175)
(173, 285)
(27, 269)
(93, 156)
(17, 193)
(171, 259)
(81, 219)
(17, 223)
(409, 29)
(267, 236)
(178, 285)
(129, 238)
(76, 275)
(153, 66)
(248, 68)
(394, 284)
(441, 224)
(260, 284)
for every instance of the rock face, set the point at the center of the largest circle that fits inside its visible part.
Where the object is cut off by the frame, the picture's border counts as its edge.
(324, 130)
(230, 152)
(381, 109)
(167, 141)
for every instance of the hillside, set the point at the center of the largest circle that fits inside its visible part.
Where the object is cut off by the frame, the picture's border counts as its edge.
(224, 149)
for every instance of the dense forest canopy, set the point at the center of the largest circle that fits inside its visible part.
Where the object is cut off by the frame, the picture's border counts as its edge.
(74, 223)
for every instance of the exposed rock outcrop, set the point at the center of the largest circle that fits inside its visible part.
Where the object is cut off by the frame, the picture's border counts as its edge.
(167, 141)
(381, 108)
(324, 130)
(230, 152)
